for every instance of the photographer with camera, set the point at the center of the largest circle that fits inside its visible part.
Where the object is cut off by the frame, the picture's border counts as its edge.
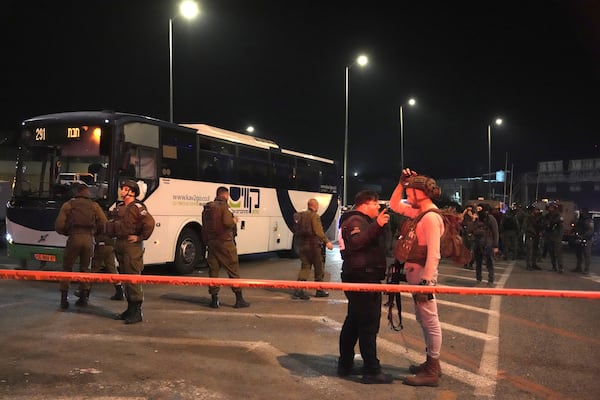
(422, 268)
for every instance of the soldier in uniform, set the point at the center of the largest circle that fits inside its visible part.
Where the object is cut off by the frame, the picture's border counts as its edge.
(532, 229)
(309, 251)
(78, 218)
(553, 232)
(131, 224)
(218, 232)
(104, 258)
(584, 229)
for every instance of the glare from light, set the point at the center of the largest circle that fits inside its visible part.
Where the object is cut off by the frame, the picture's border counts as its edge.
(412, 102)
(250, 129)
(189, 9)
(356, 174)
(498, 121)
(362, 60)
(97, 133)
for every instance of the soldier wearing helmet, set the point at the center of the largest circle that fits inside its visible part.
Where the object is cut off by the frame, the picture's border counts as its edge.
(532, 228)
(130, 224)
(484, 229)
(420, 190)
(553, 232)
(79, 219)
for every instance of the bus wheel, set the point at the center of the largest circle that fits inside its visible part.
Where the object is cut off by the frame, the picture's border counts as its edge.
(188, 253)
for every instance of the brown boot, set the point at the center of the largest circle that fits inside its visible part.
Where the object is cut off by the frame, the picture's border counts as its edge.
(429, 376)
(416, 369)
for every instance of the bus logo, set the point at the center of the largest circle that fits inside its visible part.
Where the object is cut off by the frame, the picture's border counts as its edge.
(244, 200)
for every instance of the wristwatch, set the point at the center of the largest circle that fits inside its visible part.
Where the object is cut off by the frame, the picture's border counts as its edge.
(425, 282)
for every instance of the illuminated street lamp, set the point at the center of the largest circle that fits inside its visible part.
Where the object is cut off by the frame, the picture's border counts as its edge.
(362, 60)
(411, 102)
(189, 10)
(498, 122)
(250, 129)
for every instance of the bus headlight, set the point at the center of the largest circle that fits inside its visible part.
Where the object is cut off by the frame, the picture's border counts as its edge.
(9, 238)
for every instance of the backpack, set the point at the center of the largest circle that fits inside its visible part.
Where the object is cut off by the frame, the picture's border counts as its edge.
(451, 242)
(212, 222)
(303, 224)
(79, 215)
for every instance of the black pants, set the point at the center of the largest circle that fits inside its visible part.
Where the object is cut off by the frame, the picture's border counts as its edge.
(482, 253)
(362, 325)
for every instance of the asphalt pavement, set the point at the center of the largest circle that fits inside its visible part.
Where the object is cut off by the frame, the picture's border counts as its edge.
(501, 347)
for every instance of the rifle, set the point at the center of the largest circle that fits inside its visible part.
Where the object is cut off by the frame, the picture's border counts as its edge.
(394, 275)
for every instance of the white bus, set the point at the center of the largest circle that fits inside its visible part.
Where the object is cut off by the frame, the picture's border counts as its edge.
(178, 167)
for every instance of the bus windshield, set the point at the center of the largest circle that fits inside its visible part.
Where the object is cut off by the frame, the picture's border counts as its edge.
(48, 171)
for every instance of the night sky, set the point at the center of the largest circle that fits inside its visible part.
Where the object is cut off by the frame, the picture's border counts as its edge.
(280, 66)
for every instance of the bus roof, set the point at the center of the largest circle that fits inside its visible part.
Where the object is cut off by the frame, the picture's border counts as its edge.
(237, 137)
(309, 156)
(231, 136)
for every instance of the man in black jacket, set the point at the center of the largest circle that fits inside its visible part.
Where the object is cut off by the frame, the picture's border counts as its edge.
(364, 262)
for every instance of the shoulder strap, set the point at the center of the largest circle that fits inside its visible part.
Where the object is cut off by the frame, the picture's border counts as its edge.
(421, 215)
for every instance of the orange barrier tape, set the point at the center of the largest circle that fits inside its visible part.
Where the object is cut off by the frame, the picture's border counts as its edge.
(264, 283)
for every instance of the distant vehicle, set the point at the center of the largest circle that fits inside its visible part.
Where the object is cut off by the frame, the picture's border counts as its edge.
(571, 238)
(76, 177)
(178, 168)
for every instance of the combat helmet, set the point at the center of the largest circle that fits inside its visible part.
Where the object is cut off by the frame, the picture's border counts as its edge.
(132, 185)
(424, 183)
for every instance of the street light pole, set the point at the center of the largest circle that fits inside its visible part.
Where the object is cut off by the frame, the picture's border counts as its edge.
(361, 61)
(401, 141)
(189, 9)
(489, 132)
(170, 69)
(489, 135)
(411, 102)
(345, 202)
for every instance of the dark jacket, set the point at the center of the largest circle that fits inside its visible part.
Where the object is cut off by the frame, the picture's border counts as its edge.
(364, 247)
(484, 231)
(585, 226)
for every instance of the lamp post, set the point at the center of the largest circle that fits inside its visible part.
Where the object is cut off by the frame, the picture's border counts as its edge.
(411, 102)
(189, 10)
(362, 60)
(489, 135)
